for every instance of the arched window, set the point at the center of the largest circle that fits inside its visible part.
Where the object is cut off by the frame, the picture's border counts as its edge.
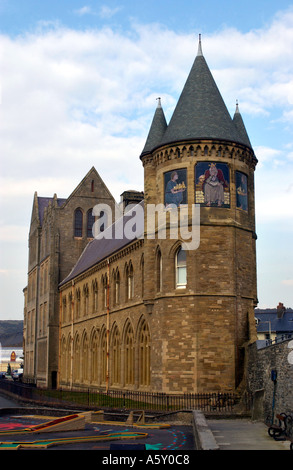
(84, 359)
(90, 223)
(116, 364)
(129, 356)
(78, 217)
(116, 278)
(144, 355)
(85, 299)
(180, 267)
(68, 358)
(94, 350)
(76, 359)
(104, 357)
(64, 309)
(95, 296)
(63, 360)
(77, 303)
(129, 282)
(159, 271)
(105, 290)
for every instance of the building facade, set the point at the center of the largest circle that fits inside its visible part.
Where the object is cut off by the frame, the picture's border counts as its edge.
(59, 231)
(148, 313)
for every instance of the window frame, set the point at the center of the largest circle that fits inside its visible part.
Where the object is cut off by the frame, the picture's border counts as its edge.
(78, 224)
(179, 269)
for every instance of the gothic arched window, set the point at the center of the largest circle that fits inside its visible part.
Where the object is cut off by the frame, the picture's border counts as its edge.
(144, 356)
(78, 218)
(159, 271)
(129, 355)
(90, 223)
(180, 267)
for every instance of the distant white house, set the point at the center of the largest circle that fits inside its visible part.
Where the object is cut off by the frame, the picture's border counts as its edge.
(274, 325)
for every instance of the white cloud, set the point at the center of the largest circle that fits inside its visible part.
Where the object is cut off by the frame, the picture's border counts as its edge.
(83, 11)
(76, 99)
(107, 12)
(267, 154)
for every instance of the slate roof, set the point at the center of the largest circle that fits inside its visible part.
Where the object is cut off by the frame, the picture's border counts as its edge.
(157, 129)
(98, 250)
(200, 113)
(43, 202)
(239, 124)
(268, 320)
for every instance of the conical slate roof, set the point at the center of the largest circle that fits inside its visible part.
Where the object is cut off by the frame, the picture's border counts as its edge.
(157, 130)
(199, 114)
(241, 129)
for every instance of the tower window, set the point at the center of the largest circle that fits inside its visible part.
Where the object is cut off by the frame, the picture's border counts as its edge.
(159, 271)
(92, 186)
(78, 217)
(180, 266)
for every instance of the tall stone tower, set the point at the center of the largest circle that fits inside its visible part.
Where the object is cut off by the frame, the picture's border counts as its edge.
(201, 302)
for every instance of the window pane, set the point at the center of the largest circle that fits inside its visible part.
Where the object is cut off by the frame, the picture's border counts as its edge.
(181, 258)
(181, 276)
(90, 223)
(78, 223)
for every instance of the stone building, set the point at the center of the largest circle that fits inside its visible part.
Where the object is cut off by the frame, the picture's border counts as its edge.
(59, 231)
(147, 312)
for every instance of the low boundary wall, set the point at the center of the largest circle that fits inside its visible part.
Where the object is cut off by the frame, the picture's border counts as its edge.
(203, 436)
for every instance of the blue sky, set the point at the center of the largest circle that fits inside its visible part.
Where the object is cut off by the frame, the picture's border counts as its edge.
(79, 82)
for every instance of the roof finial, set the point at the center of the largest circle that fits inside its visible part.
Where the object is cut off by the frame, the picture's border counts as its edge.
(159, 102)
(237, 107)
(199, 52)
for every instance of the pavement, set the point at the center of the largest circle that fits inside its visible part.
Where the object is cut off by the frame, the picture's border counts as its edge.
(228, 434)
(243, 434)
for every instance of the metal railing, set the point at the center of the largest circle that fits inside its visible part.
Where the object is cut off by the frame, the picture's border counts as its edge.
(127, 399)
(278, 339)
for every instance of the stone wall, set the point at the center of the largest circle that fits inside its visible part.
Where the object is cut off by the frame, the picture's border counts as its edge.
(277, 357)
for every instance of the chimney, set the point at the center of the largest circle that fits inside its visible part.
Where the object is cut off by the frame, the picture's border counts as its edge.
(280, 310)
(130, 197)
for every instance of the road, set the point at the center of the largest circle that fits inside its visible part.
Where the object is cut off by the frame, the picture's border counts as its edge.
(7, 403)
